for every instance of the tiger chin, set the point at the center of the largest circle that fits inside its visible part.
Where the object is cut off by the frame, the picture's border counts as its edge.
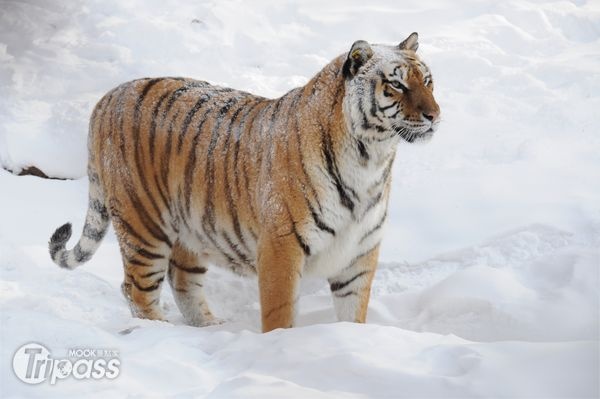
(194, 175)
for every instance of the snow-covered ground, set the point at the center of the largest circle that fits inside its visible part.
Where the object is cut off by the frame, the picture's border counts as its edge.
(489, 280)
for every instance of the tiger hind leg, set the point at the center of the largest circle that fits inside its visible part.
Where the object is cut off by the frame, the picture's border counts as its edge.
(141, 287)
(145, 265)
(186, 277)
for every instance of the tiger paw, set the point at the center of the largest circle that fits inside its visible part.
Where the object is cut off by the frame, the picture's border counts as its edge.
(204, 321)
(215, 321)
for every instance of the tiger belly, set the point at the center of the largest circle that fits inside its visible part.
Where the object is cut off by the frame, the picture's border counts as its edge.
(331, 254)
(218, 251)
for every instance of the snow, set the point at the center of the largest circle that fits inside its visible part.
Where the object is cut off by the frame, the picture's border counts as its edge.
(489, 276)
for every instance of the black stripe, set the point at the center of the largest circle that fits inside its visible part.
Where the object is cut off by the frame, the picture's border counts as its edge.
(233, 262)
(169, 141)
(374, 100)
(305, 247)
(147, 221)
(386, 107)
(332, 170)
(366, 125)
(93, 233)
(145, 90)
(270, 130)
(153, 123)
(359, 256)
(190, 166)
(99, 207)
(147, 254)
(209, 212)
(276, 110)
(188, 119)
(253, 211)
(374, 201)
(362, 150)
(64, 262)
(150, 274)
(164, 171)
(188, 269)
(306, 181)
(241, 256)
(138, 153)
(336, 285)
(151, 287)
(243, 165)
(161, 193)
(136, 262)
(238, 134)
(178, 93)
(320, 224)
(336, 100)
(171, 101)
(138, 250)
(395, 113)
(80, 254)
(345, 294)
(228, 192)
(384, 175)
(180, 208)
(374, 229)
(130, 230)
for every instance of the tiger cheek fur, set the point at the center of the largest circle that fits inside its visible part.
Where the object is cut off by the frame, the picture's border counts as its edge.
(193, 175)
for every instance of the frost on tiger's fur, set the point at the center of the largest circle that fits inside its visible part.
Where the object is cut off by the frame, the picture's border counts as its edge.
(192, 175)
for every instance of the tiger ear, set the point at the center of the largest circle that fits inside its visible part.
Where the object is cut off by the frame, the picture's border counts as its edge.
(410, 43)
(359, 54)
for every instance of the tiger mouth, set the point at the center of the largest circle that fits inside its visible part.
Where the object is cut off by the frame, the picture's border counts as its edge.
(413, 136)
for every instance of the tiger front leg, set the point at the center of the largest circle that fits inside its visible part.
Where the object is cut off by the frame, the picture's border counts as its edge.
(280, 265)
(351, 288)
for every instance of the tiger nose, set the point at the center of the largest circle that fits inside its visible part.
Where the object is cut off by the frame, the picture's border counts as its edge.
(431, 115)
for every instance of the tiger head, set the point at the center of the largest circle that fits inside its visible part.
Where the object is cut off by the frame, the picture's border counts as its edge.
(389, 92)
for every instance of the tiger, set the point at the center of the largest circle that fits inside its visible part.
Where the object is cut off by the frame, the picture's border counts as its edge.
(193, 175)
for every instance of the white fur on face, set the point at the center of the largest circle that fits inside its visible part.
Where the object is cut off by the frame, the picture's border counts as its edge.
(373, 116)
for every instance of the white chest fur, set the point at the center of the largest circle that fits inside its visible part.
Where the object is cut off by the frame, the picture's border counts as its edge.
(354, 239)
(356, 231)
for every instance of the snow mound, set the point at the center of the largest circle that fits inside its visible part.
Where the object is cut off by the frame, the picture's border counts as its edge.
(515, 316)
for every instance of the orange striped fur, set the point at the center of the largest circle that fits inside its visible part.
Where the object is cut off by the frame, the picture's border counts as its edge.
(193, 175)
